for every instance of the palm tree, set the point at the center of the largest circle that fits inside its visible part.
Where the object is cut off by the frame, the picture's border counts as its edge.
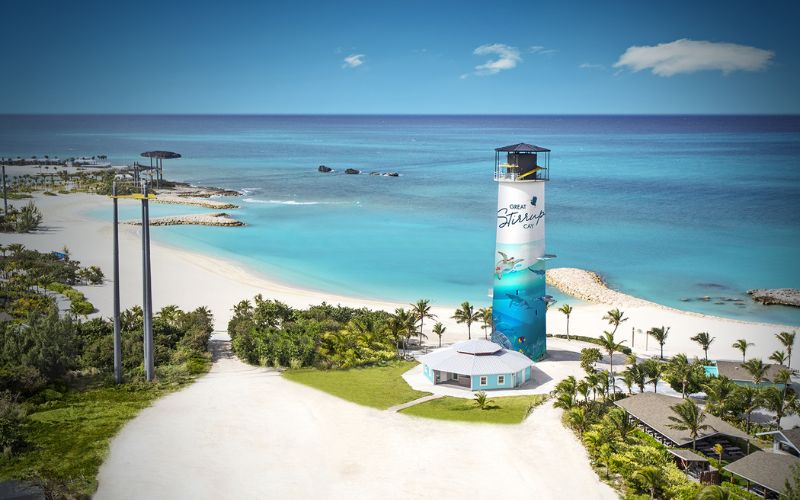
(422, 310)
(620, 421)
(608, 344)
(438, 330)
(615, 317)
(651, 476)
(566, 391)
(654, 370)
(757, 369)
(566, 309)
(485, 314)
(719, 393)
(680, 369)
(705, 340)
(577, 419)
(406, 323)
(742, 345)
(482, 401)
(637, 375)
(778, 357)
(466, 314)
(749, 399)
(628, 380)
(787, 339)
(689, 418)
(584, 388)
(775, 401)
(715, 492)
(660, 334)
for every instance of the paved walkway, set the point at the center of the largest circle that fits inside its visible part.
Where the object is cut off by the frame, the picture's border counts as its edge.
(417, 401)
(246, 432)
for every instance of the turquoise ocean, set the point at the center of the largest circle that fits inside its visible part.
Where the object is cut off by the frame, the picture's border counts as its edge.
(666, 208)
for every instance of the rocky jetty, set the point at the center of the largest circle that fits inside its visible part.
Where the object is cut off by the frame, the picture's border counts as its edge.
(187, 190)
(220, 219)
(781, 296)
(173, 199)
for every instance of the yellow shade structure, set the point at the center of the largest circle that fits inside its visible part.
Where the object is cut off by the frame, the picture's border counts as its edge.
(134, 196)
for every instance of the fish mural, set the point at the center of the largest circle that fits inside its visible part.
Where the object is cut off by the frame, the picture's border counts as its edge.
(506, 265)
(502, 340)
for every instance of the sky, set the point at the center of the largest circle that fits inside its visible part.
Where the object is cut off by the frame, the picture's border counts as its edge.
(400, 57)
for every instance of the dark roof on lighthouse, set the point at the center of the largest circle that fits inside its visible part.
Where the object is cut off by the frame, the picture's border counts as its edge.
(522, 148)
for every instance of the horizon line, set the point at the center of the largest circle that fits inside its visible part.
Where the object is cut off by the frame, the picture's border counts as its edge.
(795, 114)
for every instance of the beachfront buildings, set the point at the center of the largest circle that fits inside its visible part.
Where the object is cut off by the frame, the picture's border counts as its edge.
(477, 365)
(519, 302)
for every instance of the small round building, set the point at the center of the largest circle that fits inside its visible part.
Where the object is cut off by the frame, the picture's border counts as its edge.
(478, 365)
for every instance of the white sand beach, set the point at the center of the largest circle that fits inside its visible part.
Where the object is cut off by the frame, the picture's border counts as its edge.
(190, 279)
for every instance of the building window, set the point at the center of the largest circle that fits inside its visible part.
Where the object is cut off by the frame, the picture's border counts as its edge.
(483, 381)
(501, 380)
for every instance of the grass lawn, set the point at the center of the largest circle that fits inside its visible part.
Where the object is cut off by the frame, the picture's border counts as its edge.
(377, 386)
(68, 437)
(506, 410)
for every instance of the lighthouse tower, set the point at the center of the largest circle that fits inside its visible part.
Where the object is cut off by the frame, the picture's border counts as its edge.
(519, 301)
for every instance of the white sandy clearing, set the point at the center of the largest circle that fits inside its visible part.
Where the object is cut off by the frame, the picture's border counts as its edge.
(245, 432)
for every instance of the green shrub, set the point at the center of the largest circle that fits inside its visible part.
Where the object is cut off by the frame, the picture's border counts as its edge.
(12, 417)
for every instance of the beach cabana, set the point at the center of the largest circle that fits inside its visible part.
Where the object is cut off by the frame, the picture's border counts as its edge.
(694, 465)
(653, 410)
(785, 440)
(766, 473)
(478, 365)
(736, 372)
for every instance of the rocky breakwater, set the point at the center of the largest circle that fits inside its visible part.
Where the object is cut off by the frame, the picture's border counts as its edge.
(353, 171)
(175, 199)
(589, 286)
(219, 219)
(781, 296)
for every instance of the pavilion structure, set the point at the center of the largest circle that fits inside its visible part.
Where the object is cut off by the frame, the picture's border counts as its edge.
(157, 162)
(477, 365)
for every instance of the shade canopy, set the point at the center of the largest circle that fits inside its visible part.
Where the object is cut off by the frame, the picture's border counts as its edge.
(164, 155)
(522, 148)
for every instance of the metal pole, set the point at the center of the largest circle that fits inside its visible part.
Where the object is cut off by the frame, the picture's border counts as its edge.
(5, 196)
(117, 332)
(633, 339)
(146, 290)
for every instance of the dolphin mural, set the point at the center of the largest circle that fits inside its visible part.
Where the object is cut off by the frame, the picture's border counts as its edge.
(499, 338)
(518, 301)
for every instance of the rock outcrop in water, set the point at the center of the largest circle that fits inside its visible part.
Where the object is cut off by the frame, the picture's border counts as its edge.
(352, 171)
(324, 169)
(781, 296)
(220, 219)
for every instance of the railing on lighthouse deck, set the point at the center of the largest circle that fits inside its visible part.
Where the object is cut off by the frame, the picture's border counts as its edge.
(523, 162)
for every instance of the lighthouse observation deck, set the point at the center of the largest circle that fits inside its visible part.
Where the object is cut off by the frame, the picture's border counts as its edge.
(521, 163)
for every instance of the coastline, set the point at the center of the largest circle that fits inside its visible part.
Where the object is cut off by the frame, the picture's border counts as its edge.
(191, 279)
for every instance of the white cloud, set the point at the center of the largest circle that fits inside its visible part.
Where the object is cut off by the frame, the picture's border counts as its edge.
(591, 66)
(507, 58)
(541, 50)
(688, 56)
(353, 60)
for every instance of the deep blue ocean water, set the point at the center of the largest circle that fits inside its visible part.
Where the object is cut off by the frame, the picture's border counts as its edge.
(667, 208)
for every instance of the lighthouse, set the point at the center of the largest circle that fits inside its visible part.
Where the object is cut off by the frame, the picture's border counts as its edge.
(519, 302)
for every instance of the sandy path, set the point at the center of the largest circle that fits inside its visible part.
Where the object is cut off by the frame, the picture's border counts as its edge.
(245, 432)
